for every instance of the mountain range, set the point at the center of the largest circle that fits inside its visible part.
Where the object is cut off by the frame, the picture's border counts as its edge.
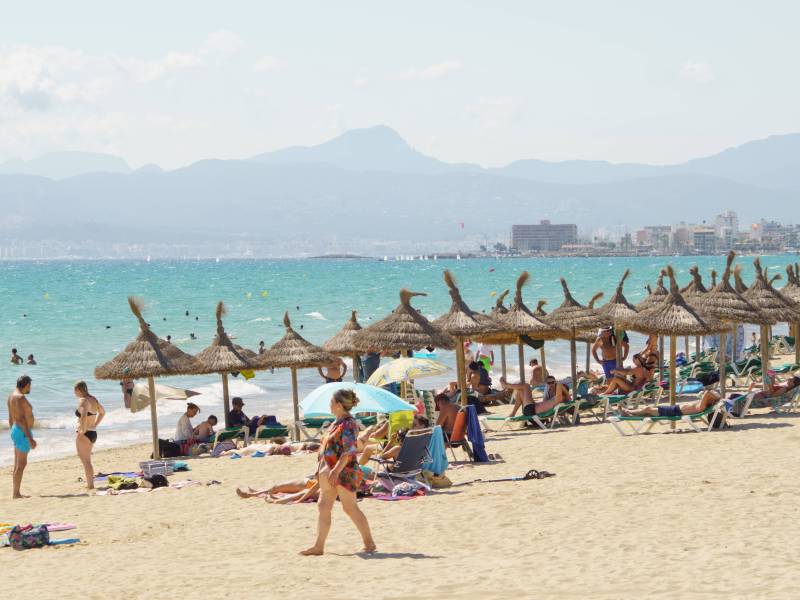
(369, 187)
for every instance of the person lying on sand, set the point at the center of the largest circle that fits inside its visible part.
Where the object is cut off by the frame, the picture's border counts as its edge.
(708, 398)
(294, 491)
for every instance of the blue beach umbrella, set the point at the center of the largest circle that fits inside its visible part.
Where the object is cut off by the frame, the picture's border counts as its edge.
(371, 399)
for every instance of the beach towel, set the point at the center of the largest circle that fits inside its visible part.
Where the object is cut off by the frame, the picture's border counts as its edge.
(475, 435)
(436, 448)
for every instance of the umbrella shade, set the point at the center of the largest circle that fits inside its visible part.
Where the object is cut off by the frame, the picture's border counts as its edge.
(223, 356)
(572, 316)
(404, 329)
(770, 301)
(294, 351)
(725, 303)
(673, 316)
(147, 356)
(655, 296)
(404, 369)
(343, 343)
(618, 306)
(371, 399)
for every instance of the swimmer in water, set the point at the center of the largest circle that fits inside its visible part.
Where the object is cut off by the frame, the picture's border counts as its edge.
(169, 339)
(192, 336)
(16, 359)
(31, 360)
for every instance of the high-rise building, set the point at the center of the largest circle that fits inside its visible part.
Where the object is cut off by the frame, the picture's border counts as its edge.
(659, 236)
(704, 240)
(543, 237)
(727, 220)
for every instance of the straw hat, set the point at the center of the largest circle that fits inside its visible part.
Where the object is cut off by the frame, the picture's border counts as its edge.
(342, 343)
(770, 301)
(673, 316)
(618, 306)
(461, 320)
(573, 316)
(656, 295)
(725, 303)
(147, 356)
(519, 320)
(223, 356)
(404, 329)
(294, 351)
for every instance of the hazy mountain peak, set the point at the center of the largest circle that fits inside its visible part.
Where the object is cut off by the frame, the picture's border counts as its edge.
(60, 165)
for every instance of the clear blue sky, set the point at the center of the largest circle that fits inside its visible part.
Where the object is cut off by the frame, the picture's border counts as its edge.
(486, 82)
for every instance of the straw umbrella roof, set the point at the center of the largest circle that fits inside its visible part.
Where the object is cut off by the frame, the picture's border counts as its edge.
(618, 306)
(519, 320)
(147, 356)
(696, 287)
(461, 320)
(342, 343)
(223, 356)
(792, 288)
(294, 351)
(540, 311)
(725, 303)
(590, 335)
(741, 286)
(770, 301)
(499, 308)
(673, 316)
(573, 316)
(656, 295)
(404, 329)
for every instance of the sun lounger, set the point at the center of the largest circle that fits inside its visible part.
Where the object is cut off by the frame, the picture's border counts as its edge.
(537, 419)
(231, 433)
(268, 432)
(645, 424)
(785, 403)
(458, 437)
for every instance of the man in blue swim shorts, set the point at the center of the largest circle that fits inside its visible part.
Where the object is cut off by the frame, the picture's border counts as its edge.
(606, 345)
(708, 399)
(20, 422)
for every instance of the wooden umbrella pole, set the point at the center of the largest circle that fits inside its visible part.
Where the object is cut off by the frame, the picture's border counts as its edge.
(588, 357)
(723, 375)
(295, 405)
(503, 359)
(673, 380)
(151, 386)
(661, 358)
(796, 344)
(764, 356)
(735, 342)
(697, 347)
(543, 360)
(686, 344)
(226, 399)
(617, 348)
(521, 352)
(462, 371)
(574, 368)
(356, 369)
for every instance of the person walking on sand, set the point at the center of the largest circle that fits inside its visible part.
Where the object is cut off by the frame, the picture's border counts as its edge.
(338, 474)
(20, 423)
(89, 412)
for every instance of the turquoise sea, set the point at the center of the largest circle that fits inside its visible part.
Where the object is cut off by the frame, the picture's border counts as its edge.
(74, 315)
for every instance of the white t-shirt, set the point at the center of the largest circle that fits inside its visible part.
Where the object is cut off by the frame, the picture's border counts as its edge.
(184, 430)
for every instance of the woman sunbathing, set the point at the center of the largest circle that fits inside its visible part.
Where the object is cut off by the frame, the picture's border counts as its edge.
(775, 390)
(639, 376)
(288, 492)
(708, 398)
(554, 393)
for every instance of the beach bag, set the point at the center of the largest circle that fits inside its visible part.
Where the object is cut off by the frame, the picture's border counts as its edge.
(708, 379)
(717, 421)
(24, 538)
(157, 481)
(439, 481)
(168, 449)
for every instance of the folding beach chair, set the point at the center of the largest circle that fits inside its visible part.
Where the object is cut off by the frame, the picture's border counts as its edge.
(231, 433)
(639, 425)
(458, 437)
(413, 453)
(269, 432)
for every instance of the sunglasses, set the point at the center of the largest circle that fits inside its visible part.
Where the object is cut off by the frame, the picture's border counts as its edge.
(551, 381)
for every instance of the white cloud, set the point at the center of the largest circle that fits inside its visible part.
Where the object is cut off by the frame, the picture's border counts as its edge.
(432, 72)
(266, 63)
(360, 82)
(222, 41)
(146, 71)
(697, 71)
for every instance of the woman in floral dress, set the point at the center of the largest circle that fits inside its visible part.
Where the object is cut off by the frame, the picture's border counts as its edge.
(338, 473)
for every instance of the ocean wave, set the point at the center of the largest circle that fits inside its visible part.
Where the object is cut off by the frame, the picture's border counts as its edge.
(316, 315)
(260, 320)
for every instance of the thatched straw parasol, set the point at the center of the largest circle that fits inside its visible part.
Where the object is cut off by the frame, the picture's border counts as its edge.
(520, 321)
(540, 312)
(573, 317)
(673, 317)
(294, 352)
(616, 308)
(404, 329)
(342, 344)
(223, 357)
(462, 322)
(654, 297)
(147, 356)
(740, 285)
(792, 291)
(726, 304)
(774, 305)
(691, 293)
(500, 309)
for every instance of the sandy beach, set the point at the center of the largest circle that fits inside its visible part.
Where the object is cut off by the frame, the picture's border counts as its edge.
(682, 515)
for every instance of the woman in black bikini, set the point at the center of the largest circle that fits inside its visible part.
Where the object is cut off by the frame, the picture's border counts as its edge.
(89, 412)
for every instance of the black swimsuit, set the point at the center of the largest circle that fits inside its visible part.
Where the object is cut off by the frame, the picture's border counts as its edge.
(91, 434)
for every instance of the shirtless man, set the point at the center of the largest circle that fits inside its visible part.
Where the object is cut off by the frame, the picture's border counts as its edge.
(16, 359)
(447, 413)
(20, 422)
(606, 344)
(537, 373)
(335, 371)
(205, 430)
(554, 393)
(675, 410)
(640, 374)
